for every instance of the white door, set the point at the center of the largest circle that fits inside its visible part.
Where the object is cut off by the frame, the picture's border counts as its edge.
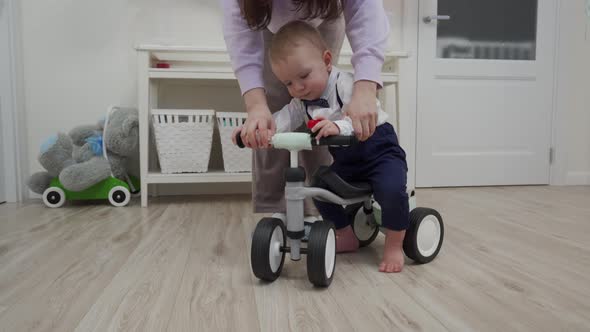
(485, 92)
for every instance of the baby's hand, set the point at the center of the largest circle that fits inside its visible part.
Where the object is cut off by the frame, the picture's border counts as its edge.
(325, 128)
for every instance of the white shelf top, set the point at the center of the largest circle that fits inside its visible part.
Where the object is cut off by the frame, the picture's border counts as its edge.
(154, 48)
(198, 73)
(191, 73)
(213, 63)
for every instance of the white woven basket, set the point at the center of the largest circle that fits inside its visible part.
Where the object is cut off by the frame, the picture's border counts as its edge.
(234, 158)
(183, 139)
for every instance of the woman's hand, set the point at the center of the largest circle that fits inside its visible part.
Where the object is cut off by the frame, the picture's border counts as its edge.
(362, 109)
(325, 128)
(235, 133)
(260, 125)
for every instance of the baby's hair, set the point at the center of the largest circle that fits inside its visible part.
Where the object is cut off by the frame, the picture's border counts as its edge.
(291, 35)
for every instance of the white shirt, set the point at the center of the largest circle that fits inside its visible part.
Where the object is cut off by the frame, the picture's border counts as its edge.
(293, 115)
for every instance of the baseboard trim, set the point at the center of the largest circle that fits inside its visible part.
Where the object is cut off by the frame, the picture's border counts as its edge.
(577, 178)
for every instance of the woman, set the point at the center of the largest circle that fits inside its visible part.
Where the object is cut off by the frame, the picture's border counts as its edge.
(248, 27)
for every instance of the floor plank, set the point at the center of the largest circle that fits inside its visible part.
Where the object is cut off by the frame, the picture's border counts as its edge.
(514, 258)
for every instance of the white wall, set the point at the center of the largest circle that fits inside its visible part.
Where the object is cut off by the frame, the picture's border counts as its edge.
(4, 88)
(11, 158)
(79, 56)
(573, 94)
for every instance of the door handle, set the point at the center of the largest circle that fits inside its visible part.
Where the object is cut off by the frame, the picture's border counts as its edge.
(429, 19)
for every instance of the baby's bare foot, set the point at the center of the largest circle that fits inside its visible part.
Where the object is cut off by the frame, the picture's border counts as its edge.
(393, 255)
(346, 241)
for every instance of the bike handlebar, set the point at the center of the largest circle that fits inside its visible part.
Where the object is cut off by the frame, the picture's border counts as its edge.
(330, 140)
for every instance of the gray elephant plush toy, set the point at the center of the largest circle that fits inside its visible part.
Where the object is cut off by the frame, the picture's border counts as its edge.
(78, 159)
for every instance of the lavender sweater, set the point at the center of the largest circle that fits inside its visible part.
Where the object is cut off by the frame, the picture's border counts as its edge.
(366, 27)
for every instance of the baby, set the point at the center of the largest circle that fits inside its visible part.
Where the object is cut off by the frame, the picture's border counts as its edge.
(300, 59)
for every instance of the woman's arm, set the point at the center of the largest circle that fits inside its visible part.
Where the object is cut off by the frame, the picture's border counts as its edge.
(245, 47)
(367, 29)
(246, 51)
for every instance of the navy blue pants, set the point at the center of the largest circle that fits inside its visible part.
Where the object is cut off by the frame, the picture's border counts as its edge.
(381, 162)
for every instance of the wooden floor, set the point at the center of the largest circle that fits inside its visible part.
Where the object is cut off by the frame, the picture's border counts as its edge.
(513, 259)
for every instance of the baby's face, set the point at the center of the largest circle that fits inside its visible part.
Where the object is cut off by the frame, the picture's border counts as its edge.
(305, 71)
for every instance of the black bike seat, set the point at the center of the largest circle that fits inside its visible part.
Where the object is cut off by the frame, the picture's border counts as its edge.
(327, 179)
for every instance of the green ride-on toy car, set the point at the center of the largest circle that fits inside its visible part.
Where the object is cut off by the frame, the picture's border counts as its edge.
(116, 191)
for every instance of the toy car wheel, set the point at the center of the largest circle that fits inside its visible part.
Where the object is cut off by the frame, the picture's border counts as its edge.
(266, 255)
(54, 197)
(424, 236)
(365, 226)
(119, 196)
(321, 253)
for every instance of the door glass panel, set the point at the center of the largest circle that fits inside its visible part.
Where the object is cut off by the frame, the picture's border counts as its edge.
(487, 29)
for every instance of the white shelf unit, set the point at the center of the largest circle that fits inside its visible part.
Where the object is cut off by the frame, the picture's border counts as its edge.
(212, 65)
